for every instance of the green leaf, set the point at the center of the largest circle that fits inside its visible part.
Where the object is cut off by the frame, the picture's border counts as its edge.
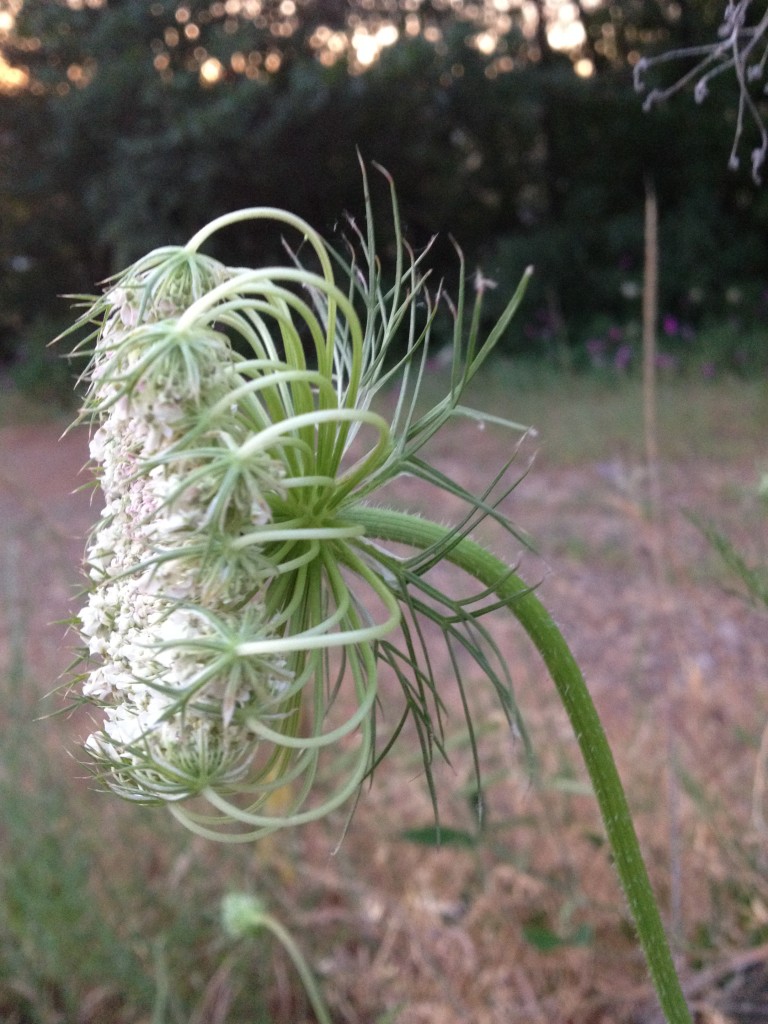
(545, 940)
(437, 835)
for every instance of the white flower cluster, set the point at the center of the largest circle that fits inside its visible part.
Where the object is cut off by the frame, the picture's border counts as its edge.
(171, 595)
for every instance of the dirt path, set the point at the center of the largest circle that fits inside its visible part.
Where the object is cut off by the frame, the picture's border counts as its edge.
(43, 521)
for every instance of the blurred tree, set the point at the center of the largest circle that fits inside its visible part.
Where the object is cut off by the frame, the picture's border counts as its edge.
(138, 121)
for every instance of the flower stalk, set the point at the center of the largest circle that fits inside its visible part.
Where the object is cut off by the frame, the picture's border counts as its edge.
(243, 915)
(511, 590)
(240, 579)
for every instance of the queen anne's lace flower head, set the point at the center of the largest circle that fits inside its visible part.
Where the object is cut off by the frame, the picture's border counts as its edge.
(215, 590)
(236, 609)
(163, 616)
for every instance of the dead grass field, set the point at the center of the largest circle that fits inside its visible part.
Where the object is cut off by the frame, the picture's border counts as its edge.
(520, 920)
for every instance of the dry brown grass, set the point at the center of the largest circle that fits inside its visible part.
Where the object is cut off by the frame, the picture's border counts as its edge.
(411, 933)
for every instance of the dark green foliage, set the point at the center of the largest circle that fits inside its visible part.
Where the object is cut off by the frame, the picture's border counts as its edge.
(535, 165)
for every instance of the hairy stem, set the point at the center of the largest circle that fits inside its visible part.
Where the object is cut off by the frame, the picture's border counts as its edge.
(399, 527)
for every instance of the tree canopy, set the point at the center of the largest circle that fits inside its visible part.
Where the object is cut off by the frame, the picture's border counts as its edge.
(132, 123)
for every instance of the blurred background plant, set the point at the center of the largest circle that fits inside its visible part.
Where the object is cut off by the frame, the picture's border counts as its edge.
(738, 51)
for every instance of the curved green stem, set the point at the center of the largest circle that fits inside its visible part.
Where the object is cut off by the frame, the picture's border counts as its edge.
(307, 978)
(245, 915)
(399, 527)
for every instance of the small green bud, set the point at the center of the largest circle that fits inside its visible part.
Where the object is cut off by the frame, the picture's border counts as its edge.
(241, 914)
